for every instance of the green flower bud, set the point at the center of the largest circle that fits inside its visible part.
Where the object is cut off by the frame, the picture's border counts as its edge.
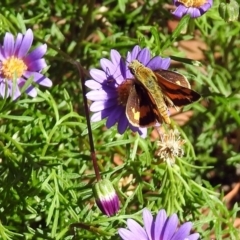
(229, 11)
(106, 197)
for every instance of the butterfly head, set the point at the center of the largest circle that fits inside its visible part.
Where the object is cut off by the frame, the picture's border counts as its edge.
(133, 66)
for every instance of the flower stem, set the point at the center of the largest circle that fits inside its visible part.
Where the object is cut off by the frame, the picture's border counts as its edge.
(92, 149)
(82, 72)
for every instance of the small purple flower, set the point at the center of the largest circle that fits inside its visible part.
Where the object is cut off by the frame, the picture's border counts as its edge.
(16, 66)
(106, 197)
(111, 86)
(160, 228)
(195, 8)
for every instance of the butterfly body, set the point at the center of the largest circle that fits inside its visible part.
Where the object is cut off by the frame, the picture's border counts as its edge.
(155, 91)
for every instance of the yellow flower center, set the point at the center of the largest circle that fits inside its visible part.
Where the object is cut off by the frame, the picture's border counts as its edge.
(123, 92)
(193, 3)
(13, 68)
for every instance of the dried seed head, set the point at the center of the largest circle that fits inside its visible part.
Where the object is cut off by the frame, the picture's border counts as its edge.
(170, 146)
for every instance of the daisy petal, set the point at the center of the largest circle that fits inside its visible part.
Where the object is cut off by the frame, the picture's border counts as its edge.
(194, 236)
(37, 65)
(159, 63)
(148, 221)
(26, 43)
(37, 53)
(114, 116)
(122, 124)
(2, 55)
(144, 56)
(98, 75)
(39, 78)
(98, 95)
(115, 57)
(126, 234)
(159, 223)
(8, 44)
(134, 53)
(31, 91)
(18, 42)
(3, 91)
(183, 231)
(100, 105)
(169, 227)
(142, 132)
(92, 84)
(135, 228)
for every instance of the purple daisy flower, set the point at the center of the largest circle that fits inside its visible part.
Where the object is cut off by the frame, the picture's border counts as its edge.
(16, 66)
(195, 8)
(160, 228)
(111, 86)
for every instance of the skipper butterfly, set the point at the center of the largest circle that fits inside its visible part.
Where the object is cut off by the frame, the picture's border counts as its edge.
(153, 92)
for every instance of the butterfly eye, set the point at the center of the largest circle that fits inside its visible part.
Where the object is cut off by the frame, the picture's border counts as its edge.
(132, 71)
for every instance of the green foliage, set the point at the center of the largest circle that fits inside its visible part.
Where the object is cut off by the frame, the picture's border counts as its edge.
(46, 172)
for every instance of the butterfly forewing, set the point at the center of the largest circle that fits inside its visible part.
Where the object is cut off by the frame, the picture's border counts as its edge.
(176, 87)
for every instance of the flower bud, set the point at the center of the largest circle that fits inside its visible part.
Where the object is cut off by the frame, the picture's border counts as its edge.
(229, 11)
(106, 197)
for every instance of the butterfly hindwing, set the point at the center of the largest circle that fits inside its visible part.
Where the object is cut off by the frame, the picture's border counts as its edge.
(141, 110)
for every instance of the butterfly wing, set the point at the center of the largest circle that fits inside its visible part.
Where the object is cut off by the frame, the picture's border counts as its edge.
(176, 87)
(141, 110)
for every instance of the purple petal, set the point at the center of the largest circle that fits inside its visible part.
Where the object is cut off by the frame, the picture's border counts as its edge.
(98, 75)
(92, 84)
(31, 91)
(170, 227)
(129, 57)
(26, 43)
(194, 236)
(108, 67)
(115, 57)
(18, 42)
(165, 63)
(137, 229)
(144, 56)
(100, 105)
(99, 95)
(148, 220)
(142, 132)
(37, 53)
(123, 68)
(126, 234)
(96, 117)
(38, 78)
(122, 123)
(207, 5)
(37, 65)
(159, 223)
(21, 82)
(2, 56)
(8, 45)
(180, 11)
(194, 12)
(14, 90)
(154, 63)
(159, 63)
(114, 116)
(134, 53)
(3, 91)
(183, 231)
